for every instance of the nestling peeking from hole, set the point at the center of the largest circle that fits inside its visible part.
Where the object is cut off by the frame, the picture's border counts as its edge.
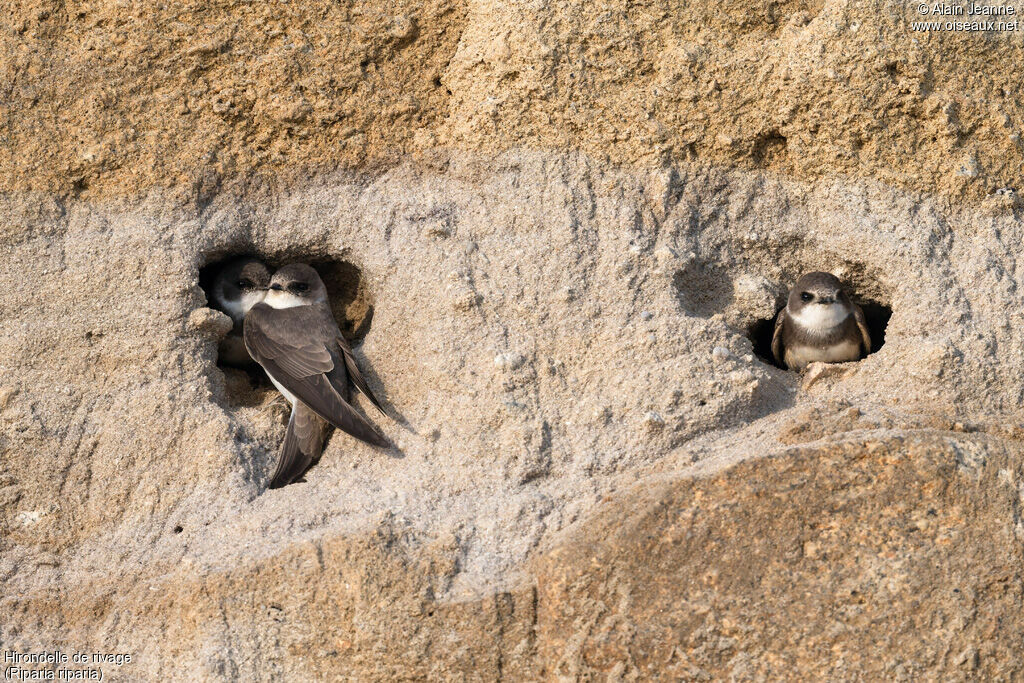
(236, 287)
(820, 323)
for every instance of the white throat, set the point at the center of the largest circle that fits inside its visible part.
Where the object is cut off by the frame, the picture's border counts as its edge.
(283, 299)
(250, 299)
(233, 308)
(820, 317)
(237, 308)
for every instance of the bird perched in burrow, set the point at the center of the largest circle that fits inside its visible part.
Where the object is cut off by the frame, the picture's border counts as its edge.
(293, 335)
(819, 324)
(238, 285)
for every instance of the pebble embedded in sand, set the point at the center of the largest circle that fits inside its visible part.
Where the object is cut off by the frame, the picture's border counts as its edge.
(653, 421)
(403, 27)
(27, 518)
(509, 360)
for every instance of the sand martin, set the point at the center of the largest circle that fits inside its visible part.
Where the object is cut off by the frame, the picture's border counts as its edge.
(819, 323)
(294, 336)
(239, 285)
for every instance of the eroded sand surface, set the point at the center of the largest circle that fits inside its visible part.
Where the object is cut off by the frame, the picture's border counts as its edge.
(554, 290)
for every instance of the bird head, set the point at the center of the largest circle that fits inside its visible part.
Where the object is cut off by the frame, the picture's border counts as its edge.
(296, 284)
(240, 285)
(818, 301)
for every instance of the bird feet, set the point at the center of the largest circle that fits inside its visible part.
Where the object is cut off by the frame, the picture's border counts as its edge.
(818, 370)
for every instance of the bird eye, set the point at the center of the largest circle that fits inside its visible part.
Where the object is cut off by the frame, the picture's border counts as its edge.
(806, 296)
(299, 287)
(245, 284)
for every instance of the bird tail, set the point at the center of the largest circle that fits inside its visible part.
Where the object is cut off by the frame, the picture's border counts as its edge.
(302, 445)
(357, 377)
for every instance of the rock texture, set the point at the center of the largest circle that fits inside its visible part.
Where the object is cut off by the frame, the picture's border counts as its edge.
(102, 97)
(555, 235)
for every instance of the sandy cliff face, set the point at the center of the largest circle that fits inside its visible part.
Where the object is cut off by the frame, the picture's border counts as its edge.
(104, 98)
(556, 234)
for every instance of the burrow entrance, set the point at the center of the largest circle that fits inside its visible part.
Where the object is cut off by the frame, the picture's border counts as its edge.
(876, 314)
(705, 288)
(351, 304)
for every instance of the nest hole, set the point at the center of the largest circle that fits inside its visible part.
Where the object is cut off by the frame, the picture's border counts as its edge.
(876, 314)
(350, 301)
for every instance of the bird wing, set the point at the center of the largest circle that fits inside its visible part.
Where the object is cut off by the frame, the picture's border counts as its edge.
(282, 335)
(284, 342)
(777, 338)
(862, 325)
(301, 446)
(357, 376)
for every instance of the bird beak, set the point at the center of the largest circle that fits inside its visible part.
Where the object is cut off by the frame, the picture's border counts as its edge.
(826, 300)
